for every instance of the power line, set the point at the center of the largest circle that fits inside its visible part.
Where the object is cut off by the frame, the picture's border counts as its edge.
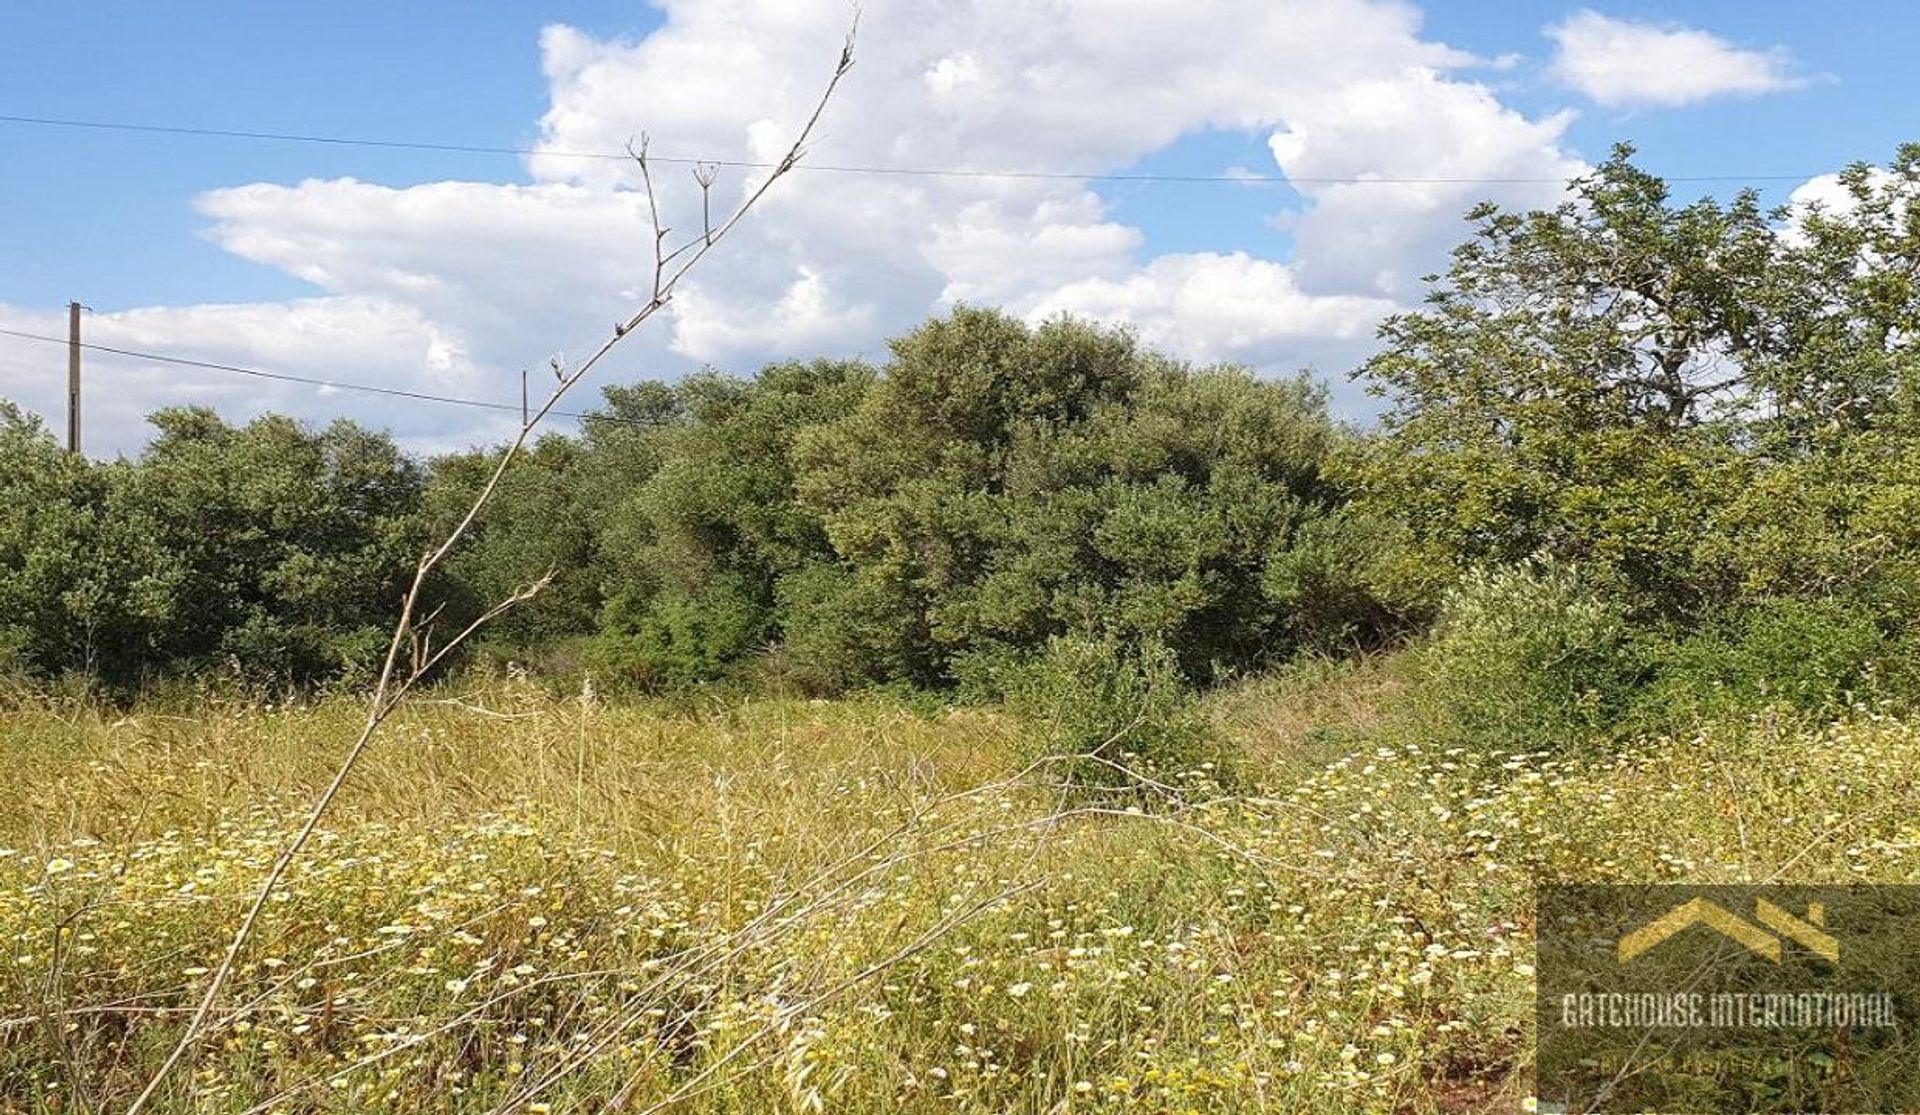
(901, 171)
(421, 396)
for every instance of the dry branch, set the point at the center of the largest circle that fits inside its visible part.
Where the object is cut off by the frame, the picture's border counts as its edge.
(392, 684)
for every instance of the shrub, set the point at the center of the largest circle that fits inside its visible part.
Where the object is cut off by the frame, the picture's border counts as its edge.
(1528, 657)
(1095, 698)
(677, 639)
(1352, 579)
(1810, 655)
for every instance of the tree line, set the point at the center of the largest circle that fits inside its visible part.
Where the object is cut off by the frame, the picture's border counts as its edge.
(1660, 440)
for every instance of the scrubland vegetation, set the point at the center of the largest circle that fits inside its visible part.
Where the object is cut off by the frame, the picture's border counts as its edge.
(1031, 723)
(849, 906)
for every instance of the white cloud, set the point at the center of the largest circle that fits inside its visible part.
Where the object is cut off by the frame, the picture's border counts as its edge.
(1443, 140)
(1826, 195)
(1624, 63)
(454, 286)
(352, 338)
(1210, 306)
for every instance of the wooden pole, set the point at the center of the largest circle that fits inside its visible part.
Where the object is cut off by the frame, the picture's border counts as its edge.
(73, 377)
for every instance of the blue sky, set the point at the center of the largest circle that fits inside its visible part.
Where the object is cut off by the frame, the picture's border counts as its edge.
(121, 220)
(107, 216)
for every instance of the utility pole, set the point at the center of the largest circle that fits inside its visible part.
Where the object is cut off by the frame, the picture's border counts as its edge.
(73, 377)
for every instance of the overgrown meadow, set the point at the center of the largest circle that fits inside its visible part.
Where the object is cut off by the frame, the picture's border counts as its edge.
(1034, 722)
(852, 906)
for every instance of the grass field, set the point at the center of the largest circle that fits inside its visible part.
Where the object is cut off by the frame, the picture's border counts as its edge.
(553, 905)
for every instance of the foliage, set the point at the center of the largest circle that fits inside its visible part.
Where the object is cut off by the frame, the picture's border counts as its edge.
(828, 526)
(268, 549)
(1812, 656)
(82, 590)
(1528, 657)
(1114, 713)
(1001, 485)
(697, 552)
(536, 524)
(1601, 382)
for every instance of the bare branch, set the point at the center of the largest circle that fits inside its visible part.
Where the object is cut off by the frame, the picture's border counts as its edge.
(390, 686)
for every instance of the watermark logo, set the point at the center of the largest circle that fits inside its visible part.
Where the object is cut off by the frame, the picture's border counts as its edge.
(1700, 911)
(1755, 998)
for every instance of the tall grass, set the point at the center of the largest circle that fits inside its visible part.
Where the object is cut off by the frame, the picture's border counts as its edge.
(526, 903)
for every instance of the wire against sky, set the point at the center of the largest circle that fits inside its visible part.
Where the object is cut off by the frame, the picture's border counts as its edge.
(257, 373)
(1247, 179)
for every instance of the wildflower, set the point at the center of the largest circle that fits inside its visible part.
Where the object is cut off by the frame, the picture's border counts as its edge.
(59, 866)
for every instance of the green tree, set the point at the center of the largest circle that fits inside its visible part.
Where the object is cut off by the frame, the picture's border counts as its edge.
(85, 587)
(296, 543)
(267, 548)
(1002, 485)
(1576, 384)
(696, 552)
(539, 523)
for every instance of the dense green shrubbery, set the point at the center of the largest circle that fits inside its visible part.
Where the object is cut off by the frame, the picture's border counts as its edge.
(1813, 656)
(1000, 485)
(1528, 657)
(1114, 712)
(1680, 444)
(268, 550)
(820, 526)
(829, 526)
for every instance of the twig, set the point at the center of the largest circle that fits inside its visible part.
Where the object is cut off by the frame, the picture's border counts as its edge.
(391, 687)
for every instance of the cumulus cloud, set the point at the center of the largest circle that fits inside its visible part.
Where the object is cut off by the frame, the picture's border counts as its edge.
(1212, 306)
(353, 338)
(1624, 63)
(456, 285)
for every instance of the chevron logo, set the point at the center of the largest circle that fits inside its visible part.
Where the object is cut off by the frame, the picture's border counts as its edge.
(1808, 932)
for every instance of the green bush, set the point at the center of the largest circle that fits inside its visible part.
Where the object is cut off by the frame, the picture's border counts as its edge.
(1528, 657)
(677, 639)
(1116, 713)
(1813, 656)
(265, 550)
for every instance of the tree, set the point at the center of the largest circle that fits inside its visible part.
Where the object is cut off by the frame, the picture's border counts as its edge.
(1002, 484)
(696, 552)
(1574, 386)
(267, 549)
(1694, 403)
(295, 542)
(85, 587)
(539, 522)
(1836, 356)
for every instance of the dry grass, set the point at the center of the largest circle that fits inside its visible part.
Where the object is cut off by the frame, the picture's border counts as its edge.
(1306, 715)
(793, 906)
